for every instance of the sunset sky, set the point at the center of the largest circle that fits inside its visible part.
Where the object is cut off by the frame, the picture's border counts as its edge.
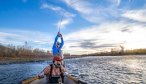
(87, 25)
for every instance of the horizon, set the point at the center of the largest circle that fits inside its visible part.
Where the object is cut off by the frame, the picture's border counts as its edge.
(87, 25)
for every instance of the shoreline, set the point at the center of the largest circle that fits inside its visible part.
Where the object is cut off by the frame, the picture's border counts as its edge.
(6, 61)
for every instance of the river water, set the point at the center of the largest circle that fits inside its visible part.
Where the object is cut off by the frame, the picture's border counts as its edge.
(93, 70)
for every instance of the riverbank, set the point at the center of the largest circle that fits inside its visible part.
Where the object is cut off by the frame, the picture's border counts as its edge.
(5, 60)
(9, 60)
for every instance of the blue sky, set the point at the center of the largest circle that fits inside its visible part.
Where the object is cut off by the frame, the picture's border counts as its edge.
(87, 25)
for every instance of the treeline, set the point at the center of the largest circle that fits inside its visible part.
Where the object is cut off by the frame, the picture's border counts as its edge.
(117, 53)
(22, 52)
(136, 52)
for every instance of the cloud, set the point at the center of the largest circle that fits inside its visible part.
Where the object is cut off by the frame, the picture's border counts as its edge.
(118, 2)
(57, 9)
(18, 37)
(108, 35)
(54, 8)
(64, 23)
(3, 34)
(96, 11)
(137, 15)
(85, 9)
(67, 17)
(90, 44)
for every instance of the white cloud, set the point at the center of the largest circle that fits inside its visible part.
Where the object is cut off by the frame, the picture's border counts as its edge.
(118, 2)
(137, 15)
(18, 37)
(95, 12)
(55, 8)
(67, 17)
(86, 9)
(64, 23)
(108, 35)
(3, 34)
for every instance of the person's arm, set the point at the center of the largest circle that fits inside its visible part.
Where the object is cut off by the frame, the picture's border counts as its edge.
(64, 70)
(44, 72)
(47, 70)
(62, 42)
(54, 45)
(41, 74)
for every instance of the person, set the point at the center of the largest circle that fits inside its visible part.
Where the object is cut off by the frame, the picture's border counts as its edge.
(54, 72)
(57, 46)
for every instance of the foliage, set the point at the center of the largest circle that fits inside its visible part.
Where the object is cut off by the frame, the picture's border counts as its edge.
(22, 52)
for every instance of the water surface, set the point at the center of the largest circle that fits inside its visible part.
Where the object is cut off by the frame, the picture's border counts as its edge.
(93, 70)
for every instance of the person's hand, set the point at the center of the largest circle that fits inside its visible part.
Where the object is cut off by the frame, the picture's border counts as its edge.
(40, 76)
(58, 34)
(61, 35)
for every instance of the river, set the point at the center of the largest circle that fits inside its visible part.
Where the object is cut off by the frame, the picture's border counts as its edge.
(93, 70)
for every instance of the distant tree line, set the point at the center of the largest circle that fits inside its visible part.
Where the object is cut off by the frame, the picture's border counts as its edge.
(22, 52)
(25, 51)
(117, 53)
(136, 51)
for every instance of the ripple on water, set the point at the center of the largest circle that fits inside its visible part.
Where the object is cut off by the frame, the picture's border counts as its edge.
(93, 70)
(112, 70)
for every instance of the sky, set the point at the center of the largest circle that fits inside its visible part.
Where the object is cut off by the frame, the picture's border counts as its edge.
(87, 26)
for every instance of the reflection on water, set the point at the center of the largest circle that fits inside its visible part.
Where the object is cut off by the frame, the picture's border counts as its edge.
(101, 70)
(113, 70)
